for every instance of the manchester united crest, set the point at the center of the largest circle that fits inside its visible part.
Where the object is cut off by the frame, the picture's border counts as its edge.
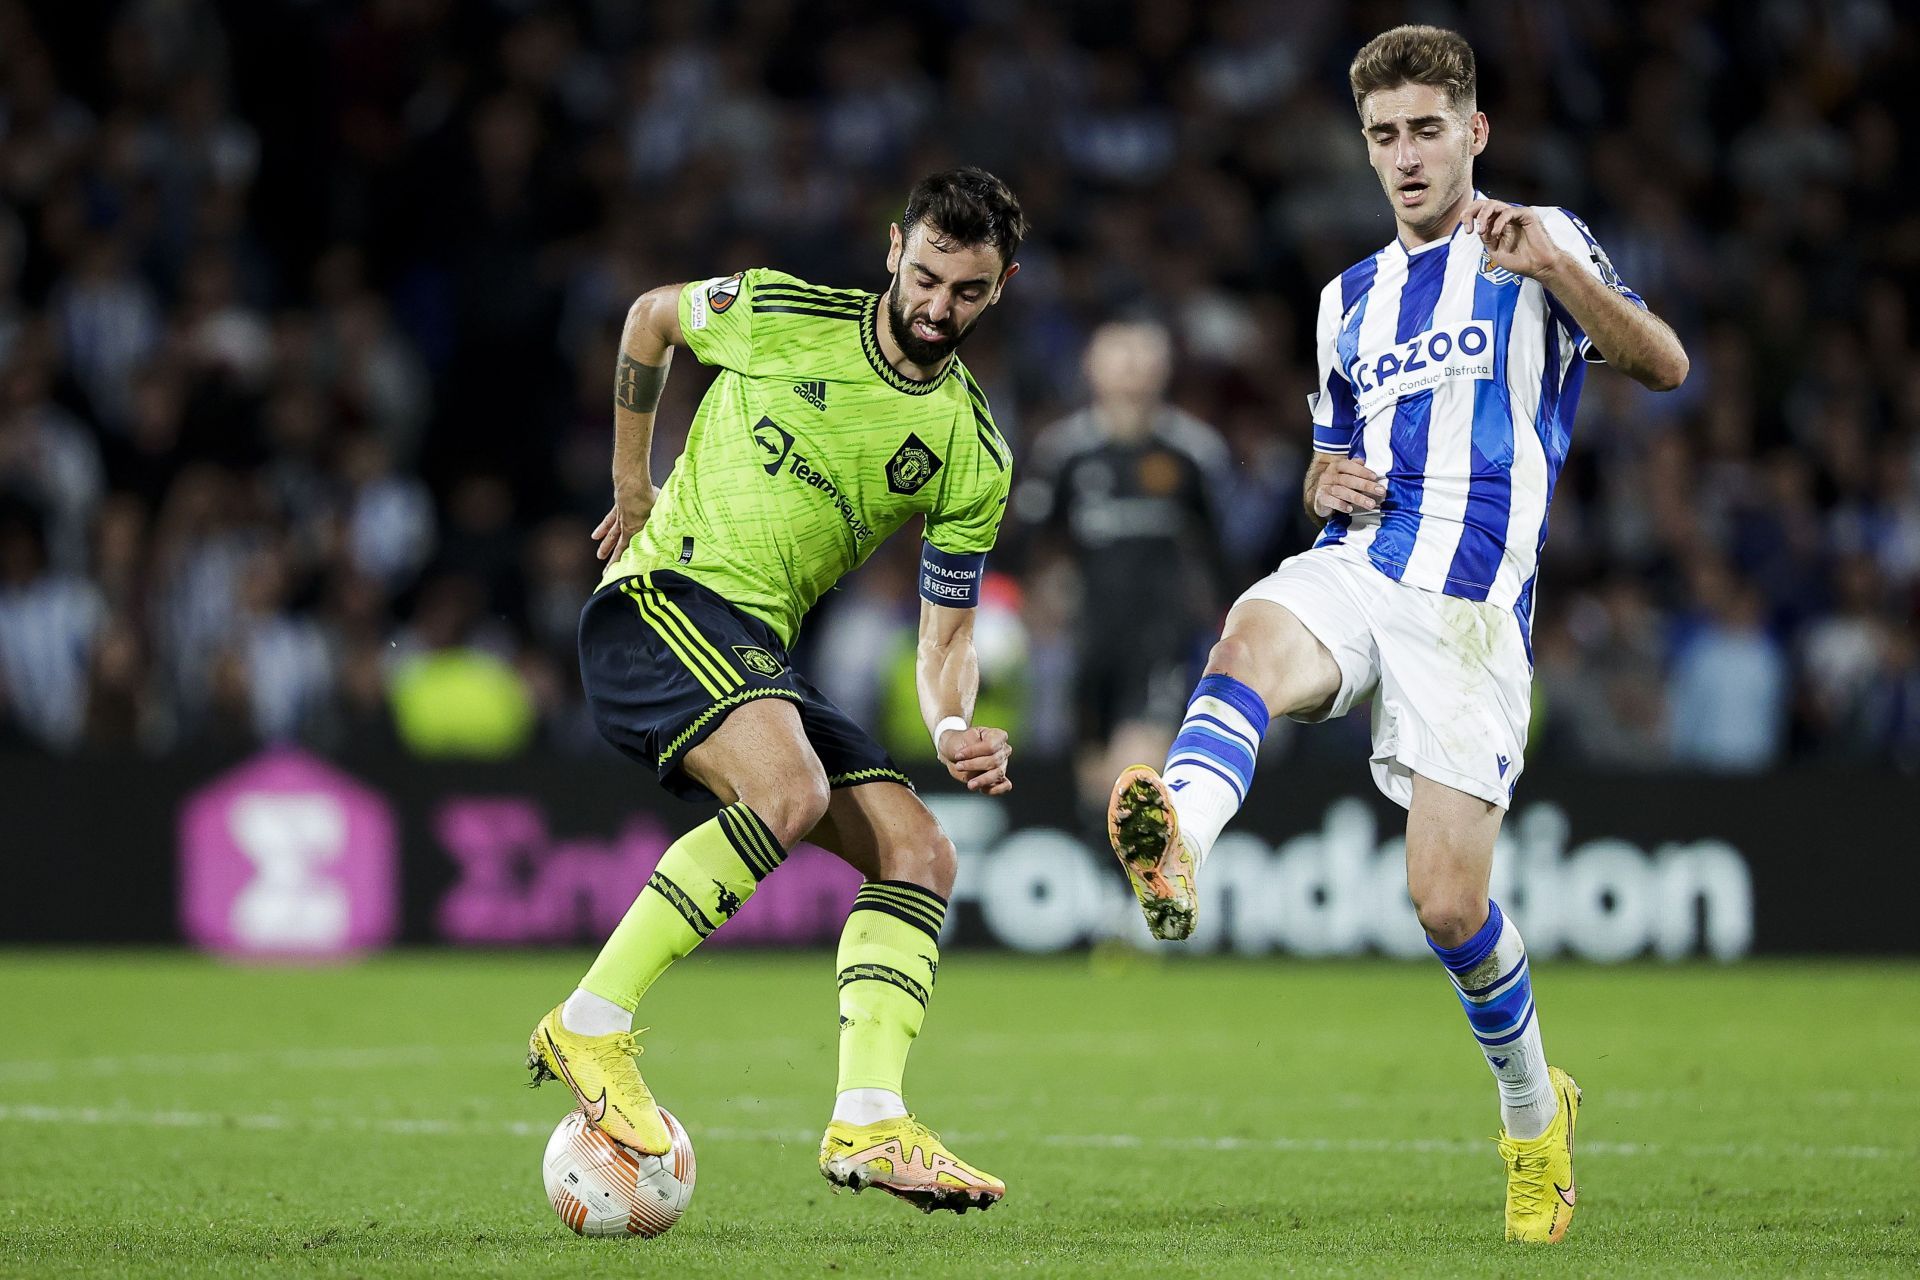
(758, 661)
(912, 465)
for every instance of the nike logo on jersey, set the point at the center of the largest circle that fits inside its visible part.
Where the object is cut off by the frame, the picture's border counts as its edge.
(814, 393)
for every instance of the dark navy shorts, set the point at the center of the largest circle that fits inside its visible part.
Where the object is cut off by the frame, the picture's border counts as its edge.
(663, 660)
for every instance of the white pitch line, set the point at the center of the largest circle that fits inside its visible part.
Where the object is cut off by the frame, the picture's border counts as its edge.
(218, 1062)
(432, 1127)
(382, 1057)
(373, 1058)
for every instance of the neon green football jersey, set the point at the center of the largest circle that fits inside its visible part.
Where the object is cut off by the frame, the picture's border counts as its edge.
(810, 449)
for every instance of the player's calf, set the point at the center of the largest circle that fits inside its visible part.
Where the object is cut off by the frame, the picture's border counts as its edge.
(587, 1042)
(889, 956)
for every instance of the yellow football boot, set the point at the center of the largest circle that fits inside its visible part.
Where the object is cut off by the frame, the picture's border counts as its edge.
(905, 1158)
(601, 1072)
(1540, 1189)
(1145, 833)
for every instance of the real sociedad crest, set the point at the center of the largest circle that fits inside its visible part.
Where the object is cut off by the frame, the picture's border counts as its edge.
(1493, 274)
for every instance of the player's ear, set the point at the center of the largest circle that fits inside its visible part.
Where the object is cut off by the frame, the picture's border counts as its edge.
(1013, 269)
(896, 243)
(1482, 130)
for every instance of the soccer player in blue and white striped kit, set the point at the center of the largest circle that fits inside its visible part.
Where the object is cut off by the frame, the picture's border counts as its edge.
(1450, 365)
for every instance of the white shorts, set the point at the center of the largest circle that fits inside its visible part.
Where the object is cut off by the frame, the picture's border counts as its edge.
(1453, 677)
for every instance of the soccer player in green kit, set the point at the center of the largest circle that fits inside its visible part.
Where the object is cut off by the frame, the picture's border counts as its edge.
(837, 416)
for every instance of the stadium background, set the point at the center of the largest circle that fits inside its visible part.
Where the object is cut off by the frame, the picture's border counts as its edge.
(307, 313)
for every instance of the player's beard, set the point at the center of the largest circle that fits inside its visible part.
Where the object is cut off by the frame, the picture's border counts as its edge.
(912, 345)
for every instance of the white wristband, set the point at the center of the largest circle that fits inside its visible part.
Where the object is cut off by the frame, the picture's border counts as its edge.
(939, 730)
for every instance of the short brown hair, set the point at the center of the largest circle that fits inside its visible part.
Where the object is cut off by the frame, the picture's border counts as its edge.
(1433, 56)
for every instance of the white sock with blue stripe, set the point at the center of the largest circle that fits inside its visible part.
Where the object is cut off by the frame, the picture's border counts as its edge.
(1210, 767)
(1489, 971)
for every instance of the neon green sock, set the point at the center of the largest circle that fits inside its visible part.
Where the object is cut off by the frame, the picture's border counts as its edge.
(702, 879)
(889, 954)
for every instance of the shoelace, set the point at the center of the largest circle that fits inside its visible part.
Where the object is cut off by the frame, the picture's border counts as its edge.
(617, 1054)
(1529, 1188)
(916, 1126)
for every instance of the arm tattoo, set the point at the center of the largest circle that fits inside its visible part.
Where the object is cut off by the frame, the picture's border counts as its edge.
(636, 386)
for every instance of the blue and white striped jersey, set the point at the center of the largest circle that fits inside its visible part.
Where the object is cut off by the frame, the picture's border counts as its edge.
(1456, 382)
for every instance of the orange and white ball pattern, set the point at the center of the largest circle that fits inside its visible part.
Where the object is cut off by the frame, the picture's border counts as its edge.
(600, 1188)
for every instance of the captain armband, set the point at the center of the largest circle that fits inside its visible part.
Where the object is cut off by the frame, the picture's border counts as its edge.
(949, 579)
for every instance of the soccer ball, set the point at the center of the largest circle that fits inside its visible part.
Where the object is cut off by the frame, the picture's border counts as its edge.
(600, 1188)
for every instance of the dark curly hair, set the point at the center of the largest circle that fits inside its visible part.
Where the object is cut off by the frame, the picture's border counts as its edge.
(966, 206)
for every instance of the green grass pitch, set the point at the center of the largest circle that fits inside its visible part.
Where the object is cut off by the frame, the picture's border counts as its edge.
(167, 1115)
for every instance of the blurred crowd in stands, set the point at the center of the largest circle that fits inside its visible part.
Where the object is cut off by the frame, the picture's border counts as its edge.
(308, 313)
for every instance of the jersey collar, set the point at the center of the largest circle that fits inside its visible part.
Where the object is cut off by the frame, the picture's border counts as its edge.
(870, 343)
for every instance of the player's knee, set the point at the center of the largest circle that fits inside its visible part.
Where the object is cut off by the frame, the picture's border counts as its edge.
(794, 804)
(1266, 673)
(1450, 916)
(942, 864)
(1231, 656)
(923, 855)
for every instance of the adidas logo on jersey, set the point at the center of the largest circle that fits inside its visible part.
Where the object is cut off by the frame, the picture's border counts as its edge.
(814, 393)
